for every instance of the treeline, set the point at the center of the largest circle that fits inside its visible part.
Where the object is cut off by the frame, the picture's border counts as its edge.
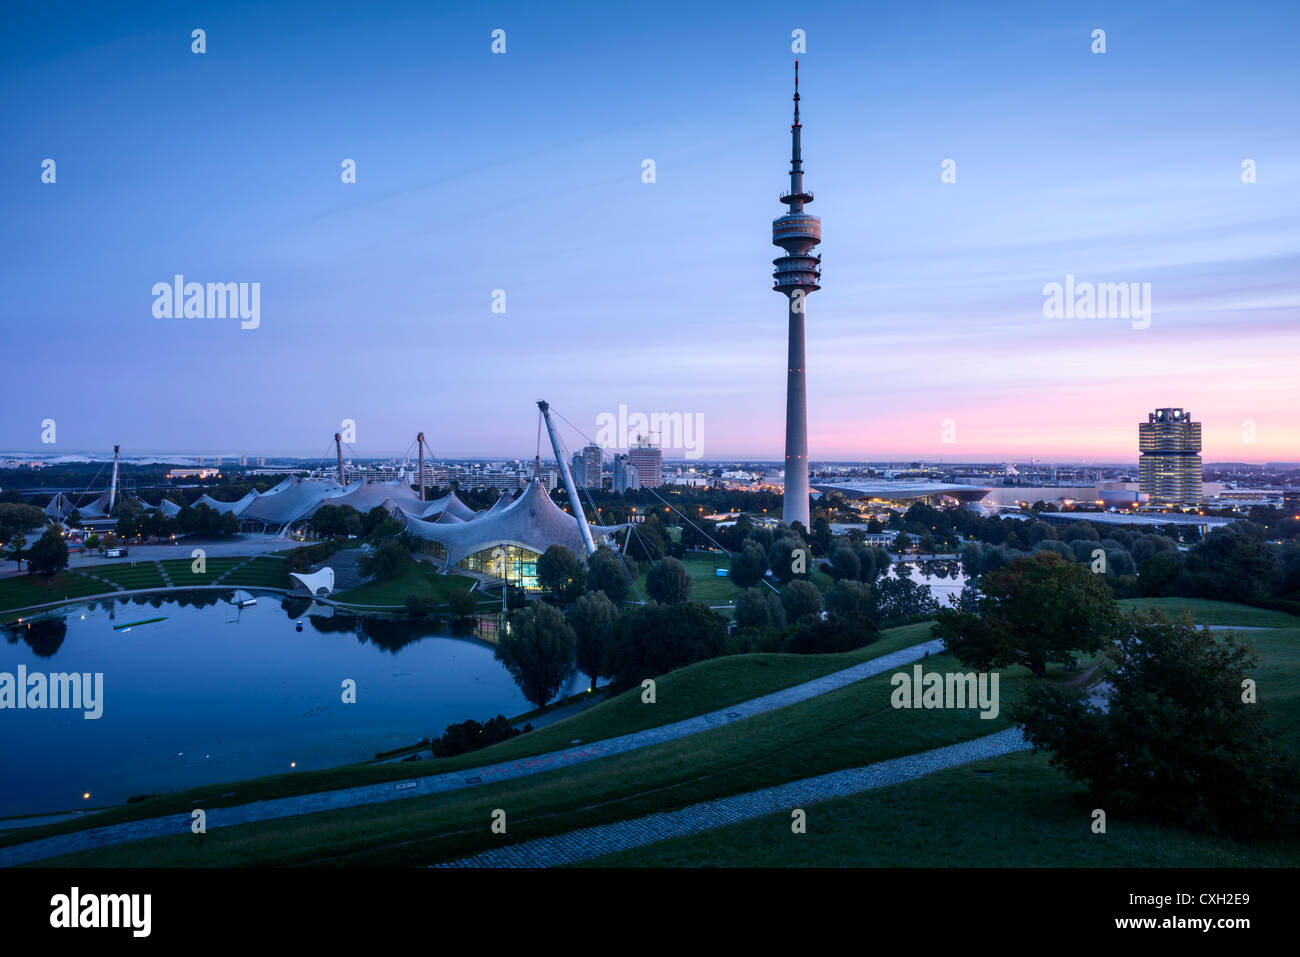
(1235, 562)
(588, 622)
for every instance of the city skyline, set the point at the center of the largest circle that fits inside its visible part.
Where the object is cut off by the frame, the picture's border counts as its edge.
(1117, 167)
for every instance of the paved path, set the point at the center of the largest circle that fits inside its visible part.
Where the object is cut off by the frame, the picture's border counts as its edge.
(456, 780)
(593, 842)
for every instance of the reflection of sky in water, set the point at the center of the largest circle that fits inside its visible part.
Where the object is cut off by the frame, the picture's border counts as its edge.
(217, 693)
(940, 588)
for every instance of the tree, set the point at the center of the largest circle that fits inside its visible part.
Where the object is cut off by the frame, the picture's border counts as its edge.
(16, 517)
(653, 639)
(789, 558)
(1081, 531)
(899, 599)
(373, 518)
(880, 560)
(419, 606)
(50, 553)
(648, 539)
(845, 563)
(538, 650)
(1176, 740)
(17, 542)
(1033, 611)
(668, 582)
(847, 598)
(606, 572)
(832, 636)
(561, 573)
(471, 736)
(800, 598)
(384, 560)
(749, 565)
(1052, 545)
(822, 536)
(462, 603)
(759, 608)
(592, 618)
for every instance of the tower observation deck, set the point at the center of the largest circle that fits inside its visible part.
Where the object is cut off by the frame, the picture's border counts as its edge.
(797, 274)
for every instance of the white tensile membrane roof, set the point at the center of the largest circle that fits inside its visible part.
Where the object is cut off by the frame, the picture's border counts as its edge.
(531, 521)
(237, 507)
(293, 499)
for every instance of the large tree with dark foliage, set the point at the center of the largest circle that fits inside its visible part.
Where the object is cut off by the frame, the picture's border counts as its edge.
(538, 649)
(1179, 739)
(561, 573)
(606, 572)
(749, 565)
(668, 582)
(653, 639)
(50, 553)
(592, 618)
(1031, 611)
(17, 518)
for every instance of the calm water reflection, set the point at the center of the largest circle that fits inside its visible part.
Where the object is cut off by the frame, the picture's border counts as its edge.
(214, 693)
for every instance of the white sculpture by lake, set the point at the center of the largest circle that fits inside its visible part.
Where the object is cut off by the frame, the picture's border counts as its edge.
(318, 583)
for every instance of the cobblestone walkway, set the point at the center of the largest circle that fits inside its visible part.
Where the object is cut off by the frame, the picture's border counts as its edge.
(457, 780)
(594, 842)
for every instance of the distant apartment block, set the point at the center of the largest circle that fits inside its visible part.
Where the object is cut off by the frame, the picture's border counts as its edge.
(593, 461)
(648, 460)
(625, 474)
(1169, 469)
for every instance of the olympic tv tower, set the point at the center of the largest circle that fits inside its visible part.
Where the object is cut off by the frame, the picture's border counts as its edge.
(797, 273)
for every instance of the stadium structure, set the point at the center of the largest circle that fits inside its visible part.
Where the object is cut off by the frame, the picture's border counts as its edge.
(498, 543)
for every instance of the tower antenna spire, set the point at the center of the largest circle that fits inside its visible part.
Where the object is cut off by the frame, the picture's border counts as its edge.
(796, 92)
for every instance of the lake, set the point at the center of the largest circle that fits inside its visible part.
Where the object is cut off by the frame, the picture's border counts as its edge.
(215, 693)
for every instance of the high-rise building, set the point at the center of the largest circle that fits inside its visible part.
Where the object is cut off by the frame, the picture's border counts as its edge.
(1169, 469)
(648, 460)
(625, 474)
(592, 460)
(797, 273)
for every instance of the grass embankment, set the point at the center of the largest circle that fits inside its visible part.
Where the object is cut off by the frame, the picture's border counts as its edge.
(1207, 612)
(127, 575)
(846, 728)
(985, 824)
(411, 578)
(21, 591)
(182, 571)
(1015, 810)
(1012, 811)
(696, 689)
(265, 571)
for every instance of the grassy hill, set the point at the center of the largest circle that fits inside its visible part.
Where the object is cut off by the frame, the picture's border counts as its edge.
(1021, 813)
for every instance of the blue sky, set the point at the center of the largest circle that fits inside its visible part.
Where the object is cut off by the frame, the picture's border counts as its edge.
(522, 171)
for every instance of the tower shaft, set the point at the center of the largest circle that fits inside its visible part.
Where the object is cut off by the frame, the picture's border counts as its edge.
(419, 440)
(797, 274)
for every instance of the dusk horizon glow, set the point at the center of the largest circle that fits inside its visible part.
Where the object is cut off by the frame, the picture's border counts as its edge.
(522, 172)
